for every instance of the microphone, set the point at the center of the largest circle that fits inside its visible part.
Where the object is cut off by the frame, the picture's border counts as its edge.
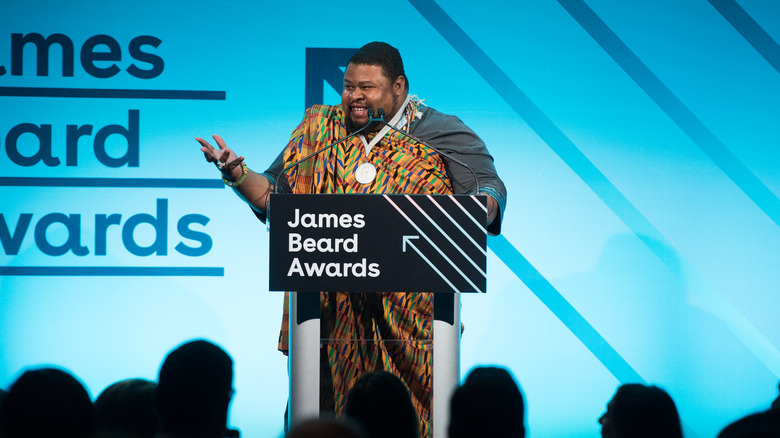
(381, 119)
(282, 174)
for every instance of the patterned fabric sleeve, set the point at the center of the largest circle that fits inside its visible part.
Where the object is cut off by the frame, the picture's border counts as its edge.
(292, 152)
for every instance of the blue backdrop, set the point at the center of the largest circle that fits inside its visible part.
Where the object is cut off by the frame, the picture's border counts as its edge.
(638, 141)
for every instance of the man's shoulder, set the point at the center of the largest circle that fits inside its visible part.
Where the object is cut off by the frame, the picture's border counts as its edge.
(432, 114)
(432, 119)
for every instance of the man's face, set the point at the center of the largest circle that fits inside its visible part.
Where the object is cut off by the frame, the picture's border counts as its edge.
(607, 427)
(365, 86)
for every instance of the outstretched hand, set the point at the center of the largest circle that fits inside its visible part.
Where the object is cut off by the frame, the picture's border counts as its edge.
(224, 158)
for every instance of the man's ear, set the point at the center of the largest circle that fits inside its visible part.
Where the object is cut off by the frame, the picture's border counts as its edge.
(399, 85)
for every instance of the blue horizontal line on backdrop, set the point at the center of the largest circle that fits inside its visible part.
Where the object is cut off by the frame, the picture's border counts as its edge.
(160, 183)
(112, 93)
(113, 271)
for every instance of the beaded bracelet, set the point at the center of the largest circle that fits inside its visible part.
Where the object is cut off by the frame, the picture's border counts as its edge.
(241, 179)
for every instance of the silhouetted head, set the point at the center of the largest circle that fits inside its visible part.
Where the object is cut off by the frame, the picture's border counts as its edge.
(126, 407)
(639, 411)
(326, 427)
(194, 390)
(45, 403)
(760, 425)
(489, 403)
(382, 404)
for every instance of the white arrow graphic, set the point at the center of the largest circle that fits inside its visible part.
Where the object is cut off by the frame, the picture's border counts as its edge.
(405, 239)
(433, 245)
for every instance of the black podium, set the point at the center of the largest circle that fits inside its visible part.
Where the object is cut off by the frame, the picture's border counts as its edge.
(375, 243)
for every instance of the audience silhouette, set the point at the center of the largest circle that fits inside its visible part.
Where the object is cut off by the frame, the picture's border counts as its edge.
(776, 404)
(126, 410)
(640, 411)
(764, 424)
(194, 390)
(3, 393)
(46, 403)
(382, 404)
(192, 396)
(326, 427)
(488, 404)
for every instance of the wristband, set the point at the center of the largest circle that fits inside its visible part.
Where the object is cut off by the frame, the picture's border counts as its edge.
(241, 179)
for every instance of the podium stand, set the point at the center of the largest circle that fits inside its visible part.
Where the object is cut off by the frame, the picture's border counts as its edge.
(409, 243)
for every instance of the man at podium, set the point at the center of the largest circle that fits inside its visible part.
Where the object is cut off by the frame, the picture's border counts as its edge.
(387, 141)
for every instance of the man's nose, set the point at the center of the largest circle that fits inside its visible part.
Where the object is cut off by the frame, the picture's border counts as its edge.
(357, 94)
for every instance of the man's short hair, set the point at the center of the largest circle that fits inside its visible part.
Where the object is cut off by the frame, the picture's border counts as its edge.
(489, 403)
(47, 402)
(381, 402)
(383, 55)
(638, 410)
(194, 389)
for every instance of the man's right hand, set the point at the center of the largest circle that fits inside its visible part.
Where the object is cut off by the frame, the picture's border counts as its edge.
(224, 158)
(254, 189)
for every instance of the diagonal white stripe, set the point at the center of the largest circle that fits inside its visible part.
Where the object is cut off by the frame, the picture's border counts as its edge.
(473, 219)
(483, 207)
(454, 222)
(443, 277)
(430, 242)
(447, 236)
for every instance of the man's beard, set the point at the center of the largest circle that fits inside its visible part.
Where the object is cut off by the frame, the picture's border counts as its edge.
(372, 126)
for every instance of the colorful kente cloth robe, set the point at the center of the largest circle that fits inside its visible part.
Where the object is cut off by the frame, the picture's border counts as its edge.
(375, 331)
